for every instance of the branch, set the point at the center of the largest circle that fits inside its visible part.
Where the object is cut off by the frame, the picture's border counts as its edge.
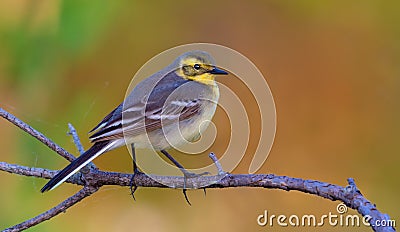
(79, 146)
(94, 179)
(36, 134)
(76, 139)
(62, 207)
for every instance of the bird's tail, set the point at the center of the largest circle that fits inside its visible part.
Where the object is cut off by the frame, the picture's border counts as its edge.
(96, 150)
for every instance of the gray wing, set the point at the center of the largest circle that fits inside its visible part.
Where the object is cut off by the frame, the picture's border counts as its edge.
(168, 99)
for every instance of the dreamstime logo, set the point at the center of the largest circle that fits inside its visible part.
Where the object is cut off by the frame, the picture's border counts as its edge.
(340, 218)
(247, 105)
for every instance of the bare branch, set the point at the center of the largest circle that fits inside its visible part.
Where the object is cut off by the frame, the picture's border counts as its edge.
(36, 134)
(78, 145)
(217, 164)
(350, 195)
(26, 171)
(60, 208)
(76, 139)
(94, 179)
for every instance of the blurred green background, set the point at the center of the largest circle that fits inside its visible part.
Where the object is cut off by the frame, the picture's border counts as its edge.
(333, 67)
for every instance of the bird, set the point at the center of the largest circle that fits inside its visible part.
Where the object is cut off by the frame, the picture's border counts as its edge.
(163, 111)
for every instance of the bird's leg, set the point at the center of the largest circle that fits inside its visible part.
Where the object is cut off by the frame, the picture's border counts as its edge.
(183, 170)
(186, 173)
(133, 187)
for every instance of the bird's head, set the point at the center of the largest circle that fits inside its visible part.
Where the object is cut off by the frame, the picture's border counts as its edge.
(198, 66)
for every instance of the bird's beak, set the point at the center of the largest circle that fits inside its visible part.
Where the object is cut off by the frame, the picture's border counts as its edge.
(218, 71)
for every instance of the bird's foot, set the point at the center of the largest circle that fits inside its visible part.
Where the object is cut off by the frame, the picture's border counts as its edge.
(132, 185)
(188, 175)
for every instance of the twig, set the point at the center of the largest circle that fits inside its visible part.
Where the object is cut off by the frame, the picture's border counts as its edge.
(36, 134)
(217, 164)
(60, 208)
(76, 139)
(93, 180)
(78, 145)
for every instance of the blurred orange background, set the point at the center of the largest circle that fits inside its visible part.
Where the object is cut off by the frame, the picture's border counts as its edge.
(332, 66)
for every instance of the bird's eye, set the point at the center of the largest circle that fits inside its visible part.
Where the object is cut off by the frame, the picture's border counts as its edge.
(196, 66)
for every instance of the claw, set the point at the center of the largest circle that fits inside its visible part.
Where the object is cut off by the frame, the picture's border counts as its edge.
(132, 186)
(186, 197)
(186, 174)
(133, 190)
